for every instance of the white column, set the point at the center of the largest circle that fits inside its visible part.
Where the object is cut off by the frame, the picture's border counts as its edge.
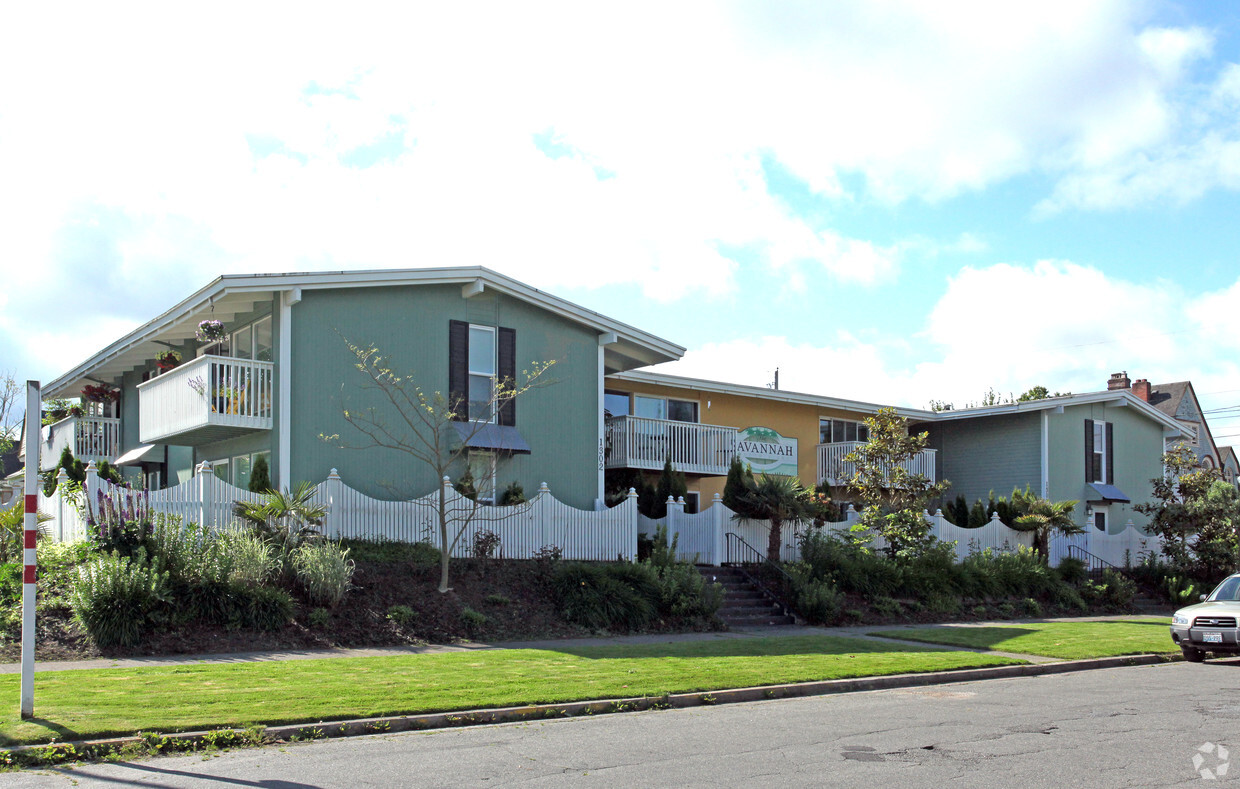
(333, 523)
(30, 531)
(284, 371)
(1046, 455)
(717, 522)
(630, 501)
(62, 477)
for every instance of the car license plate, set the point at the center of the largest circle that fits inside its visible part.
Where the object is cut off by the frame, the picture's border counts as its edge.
(1211, 638)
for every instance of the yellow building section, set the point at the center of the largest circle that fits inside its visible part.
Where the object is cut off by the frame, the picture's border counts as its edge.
(792, 415)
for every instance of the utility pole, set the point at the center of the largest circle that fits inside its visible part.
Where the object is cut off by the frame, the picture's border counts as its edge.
(30, 533)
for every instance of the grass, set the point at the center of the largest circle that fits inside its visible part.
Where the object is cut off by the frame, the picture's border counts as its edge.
(94, 703)
(1066, 640)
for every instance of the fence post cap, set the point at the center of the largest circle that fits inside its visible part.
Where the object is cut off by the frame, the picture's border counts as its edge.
(334, 474)
(994, 516)
(938, 513)
(670, 500)
(632, 494)
(717, 497)
(542, 487)
(62, 475)
(205, 465)
(91, 468)
(851, 508)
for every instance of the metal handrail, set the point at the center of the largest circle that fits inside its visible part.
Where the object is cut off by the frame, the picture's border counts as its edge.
(1092, 561)
(742, 548)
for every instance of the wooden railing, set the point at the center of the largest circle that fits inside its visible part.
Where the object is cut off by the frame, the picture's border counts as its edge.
(87, 437)
(833, 470)
(642, 443)
(209, 392)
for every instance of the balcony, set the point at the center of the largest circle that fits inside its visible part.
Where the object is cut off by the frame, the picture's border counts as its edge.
(642, 443)
(834, 471)
(209, 399)
(89, 438)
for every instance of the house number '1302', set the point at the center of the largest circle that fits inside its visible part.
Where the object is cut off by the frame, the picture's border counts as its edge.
(600, 454)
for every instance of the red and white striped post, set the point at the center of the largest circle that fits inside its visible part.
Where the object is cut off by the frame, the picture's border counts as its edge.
(31, 534)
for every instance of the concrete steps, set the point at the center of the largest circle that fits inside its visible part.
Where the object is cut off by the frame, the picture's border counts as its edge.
(744, 605)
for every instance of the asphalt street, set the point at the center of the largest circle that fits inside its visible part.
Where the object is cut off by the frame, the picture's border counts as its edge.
(1125, 727)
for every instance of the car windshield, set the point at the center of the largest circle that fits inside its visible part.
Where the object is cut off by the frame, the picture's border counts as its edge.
(1227, 590)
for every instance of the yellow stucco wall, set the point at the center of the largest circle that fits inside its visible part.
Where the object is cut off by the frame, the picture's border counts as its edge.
(792, 420)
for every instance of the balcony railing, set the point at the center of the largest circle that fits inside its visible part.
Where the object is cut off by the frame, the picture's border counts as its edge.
(87, 437)
(641, 443)
(209, 399)
(833, 470)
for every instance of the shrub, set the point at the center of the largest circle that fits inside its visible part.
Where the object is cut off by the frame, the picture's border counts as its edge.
(1113, 592)
(319, 617)
(419, 554)
(818, 601)
(887, 607)
(115, 597)
(1006, 610)
(1180, 591)
(402, 615)
(486, 542)
(12, 532)
(1068, 598)
(262, 607)
(513, 494)
(473, 620)
(324, 571)
(979, 611)
(250, 560)
(1029, 607)
(849, 567)
(1072, 570)
(942, 605)
(497, 599)
(590, 597)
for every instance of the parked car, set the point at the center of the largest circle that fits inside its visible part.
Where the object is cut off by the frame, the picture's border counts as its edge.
(1209, 626)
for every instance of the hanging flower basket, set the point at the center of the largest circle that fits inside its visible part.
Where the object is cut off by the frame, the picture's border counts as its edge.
(167, 359)
(210, 331)
(100, 394)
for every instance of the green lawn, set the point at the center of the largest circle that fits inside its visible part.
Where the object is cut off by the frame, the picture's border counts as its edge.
(1066, 640)
(84, 704)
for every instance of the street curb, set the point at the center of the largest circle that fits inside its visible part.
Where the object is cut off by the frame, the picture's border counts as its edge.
(536, 712)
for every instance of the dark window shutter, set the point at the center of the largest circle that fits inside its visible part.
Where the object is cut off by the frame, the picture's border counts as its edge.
(1089, 451)
(506, 371)
(1110, 454)
(458, 369)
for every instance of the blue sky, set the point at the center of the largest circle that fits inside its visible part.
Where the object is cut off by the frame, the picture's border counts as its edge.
(889, 200)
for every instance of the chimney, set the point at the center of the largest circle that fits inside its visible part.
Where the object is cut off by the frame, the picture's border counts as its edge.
(1141, 388)
(1118, 381)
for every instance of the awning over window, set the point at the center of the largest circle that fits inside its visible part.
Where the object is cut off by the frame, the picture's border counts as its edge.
(1108, 492)
(147, 453)
(500, 438)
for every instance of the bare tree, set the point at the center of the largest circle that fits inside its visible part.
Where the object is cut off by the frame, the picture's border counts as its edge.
(10, 414)
(425, 427)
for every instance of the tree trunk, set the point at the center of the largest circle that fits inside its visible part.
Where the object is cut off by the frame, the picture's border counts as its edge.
(444, 548)
(774, 540)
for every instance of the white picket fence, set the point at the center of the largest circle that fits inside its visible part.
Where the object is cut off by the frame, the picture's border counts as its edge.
(714, 536)
(523, 529)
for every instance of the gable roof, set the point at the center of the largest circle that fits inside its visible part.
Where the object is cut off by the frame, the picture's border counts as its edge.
(1168, 397)
(230, 295)
(1115, 396)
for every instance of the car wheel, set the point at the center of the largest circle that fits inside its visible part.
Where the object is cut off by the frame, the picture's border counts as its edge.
(1193, 655)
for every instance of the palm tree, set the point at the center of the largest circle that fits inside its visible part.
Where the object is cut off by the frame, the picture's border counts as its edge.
(285, 520)
(778, 499)
(1043, 518)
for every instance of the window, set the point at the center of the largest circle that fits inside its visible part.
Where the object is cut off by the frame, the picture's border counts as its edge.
(253, 341)
(1100, 520)
(481, 373)
(692, 500)
(482, 468)
(665, 408)
(478, 357)
(221, 469)
(1099, 452)
(615, 404)
(835, 431)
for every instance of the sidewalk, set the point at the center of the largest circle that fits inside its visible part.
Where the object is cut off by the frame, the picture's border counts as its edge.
(850, 631)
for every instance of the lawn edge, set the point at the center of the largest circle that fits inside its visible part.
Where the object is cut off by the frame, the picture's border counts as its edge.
(538, 712)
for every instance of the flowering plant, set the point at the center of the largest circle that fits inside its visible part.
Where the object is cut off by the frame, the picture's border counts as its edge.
(210, 331)
(99, 394)
(168, 359)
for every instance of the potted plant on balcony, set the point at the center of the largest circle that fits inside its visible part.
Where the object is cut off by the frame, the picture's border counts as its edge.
(166, 360)
(210, 331)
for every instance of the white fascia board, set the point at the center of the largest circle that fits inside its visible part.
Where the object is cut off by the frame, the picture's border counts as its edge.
(761, 392)
(259, 283)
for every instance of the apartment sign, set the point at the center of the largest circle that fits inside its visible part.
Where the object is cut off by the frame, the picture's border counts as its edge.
(767, 452)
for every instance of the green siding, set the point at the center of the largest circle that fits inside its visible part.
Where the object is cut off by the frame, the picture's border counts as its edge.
(1138, 458)
(410, 326)
(996, 453)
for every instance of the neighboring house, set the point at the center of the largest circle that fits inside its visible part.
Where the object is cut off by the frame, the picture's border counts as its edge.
(701, 425)
(1178, 401)
(1229, 464)
(280, 379)
(1101, 449)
